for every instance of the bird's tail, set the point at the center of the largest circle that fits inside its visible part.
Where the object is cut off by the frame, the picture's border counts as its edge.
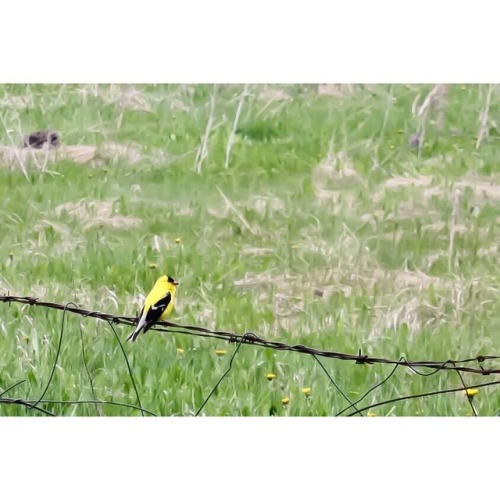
(133, 336)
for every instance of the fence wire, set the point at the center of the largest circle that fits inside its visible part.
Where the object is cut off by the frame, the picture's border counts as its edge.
(473, 365)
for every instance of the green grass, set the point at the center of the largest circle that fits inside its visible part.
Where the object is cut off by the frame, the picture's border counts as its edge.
(322, 192)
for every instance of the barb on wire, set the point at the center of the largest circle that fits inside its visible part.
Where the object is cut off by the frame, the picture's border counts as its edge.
(383, 381)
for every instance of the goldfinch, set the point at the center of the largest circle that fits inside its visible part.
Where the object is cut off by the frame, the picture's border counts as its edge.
(157, 306)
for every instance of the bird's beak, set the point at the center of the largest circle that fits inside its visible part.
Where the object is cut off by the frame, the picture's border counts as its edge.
(176, 283)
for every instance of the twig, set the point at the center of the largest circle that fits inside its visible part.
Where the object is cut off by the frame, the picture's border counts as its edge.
(386, 116)
(203, 149)
(238, 214)
(436, 92)
(484, 117)
(230, 141)
(435, 96)
(453, 224)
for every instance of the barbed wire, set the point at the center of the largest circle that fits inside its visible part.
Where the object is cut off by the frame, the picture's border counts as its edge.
(249, 338)
(254, 339)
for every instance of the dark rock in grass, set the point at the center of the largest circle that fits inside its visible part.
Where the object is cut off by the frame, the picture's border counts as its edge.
(414, 141)
(37, 140)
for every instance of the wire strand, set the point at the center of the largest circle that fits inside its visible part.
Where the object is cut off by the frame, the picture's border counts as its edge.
(84, 357)
(74, 402)
(422, 395)
(58, 352)
(334, 383)
(128, 367)
(11, 387)
(222, 378)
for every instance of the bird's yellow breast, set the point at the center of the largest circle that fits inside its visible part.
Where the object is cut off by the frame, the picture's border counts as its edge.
(160, 289)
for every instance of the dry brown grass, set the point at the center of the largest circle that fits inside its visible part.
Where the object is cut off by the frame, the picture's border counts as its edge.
(484, 188)
(125, 95)
(92, 213)
(399, 181)
(40, 159)
(329, 177)
(274, 95)
(335, 89)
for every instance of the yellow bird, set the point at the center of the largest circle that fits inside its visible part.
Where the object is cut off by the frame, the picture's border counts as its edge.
(157, 306)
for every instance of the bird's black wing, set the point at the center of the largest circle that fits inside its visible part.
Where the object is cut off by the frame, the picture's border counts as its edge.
(156, 310)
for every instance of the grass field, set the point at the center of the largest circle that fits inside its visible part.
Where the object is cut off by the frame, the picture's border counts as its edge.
(319, 225)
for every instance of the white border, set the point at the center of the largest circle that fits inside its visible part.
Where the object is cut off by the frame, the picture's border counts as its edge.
(249, 457)
(255, 42)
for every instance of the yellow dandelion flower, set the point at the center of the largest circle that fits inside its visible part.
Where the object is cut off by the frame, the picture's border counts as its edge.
(271, 376)
(471, 392)
(371, 414)
(285, 401)
(220, 352)
(177, 240)
(306, 391)
(153, 265)
(180, 350)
